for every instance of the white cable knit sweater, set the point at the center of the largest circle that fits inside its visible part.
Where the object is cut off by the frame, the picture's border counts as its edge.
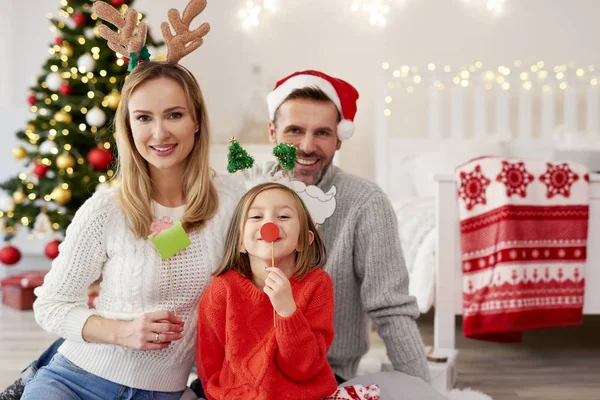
(135, 281)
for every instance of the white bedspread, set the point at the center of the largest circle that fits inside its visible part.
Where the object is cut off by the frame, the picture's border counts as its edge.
(416, 227)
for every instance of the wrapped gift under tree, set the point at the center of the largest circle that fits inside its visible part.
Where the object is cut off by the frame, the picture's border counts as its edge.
(17, 290)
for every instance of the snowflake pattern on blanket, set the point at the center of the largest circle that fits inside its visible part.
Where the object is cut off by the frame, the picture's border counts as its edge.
(524, 228)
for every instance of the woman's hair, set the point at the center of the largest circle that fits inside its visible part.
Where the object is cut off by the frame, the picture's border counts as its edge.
(133, 172)
(311, 256)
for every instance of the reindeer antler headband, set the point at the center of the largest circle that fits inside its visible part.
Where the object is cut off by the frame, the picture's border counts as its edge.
(128, 42)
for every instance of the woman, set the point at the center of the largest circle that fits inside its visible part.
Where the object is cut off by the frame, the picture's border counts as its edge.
(139, 341)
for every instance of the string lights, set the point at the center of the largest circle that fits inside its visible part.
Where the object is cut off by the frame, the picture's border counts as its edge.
(494, 7)
(505, 77)
(251, 12)
(377, 10)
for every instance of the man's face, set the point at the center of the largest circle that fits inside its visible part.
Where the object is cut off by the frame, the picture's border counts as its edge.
(311, 126)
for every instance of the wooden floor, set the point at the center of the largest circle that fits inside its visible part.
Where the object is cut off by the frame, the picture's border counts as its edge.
(21, 342)
(553, 364)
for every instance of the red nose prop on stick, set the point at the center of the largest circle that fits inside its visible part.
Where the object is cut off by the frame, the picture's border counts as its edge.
(269, 232)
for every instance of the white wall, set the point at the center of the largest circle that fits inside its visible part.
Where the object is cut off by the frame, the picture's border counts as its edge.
(319, 34)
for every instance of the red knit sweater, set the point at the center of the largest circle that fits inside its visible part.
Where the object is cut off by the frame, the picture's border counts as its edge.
(240, 355)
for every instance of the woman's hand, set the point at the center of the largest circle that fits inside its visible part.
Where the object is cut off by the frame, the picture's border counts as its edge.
(279, 290)
(151, 331)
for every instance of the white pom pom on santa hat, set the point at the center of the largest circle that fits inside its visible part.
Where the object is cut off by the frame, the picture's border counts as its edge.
(341, 93)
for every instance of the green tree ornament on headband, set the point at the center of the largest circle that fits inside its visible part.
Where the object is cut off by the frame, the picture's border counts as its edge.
(238, 158)
(286, 155)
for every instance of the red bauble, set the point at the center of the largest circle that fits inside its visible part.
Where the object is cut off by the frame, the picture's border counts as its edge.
(79, 19)
(58, 40)
(10, 255)
(31, 99)
(65, 89)
(99, 158)
(40, 170)
(51, 250)
(117, 3)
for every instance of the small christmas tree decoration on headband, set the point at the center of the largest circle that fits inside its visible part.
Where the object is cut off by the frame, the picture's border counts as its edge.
(286, 155)
(238, 158)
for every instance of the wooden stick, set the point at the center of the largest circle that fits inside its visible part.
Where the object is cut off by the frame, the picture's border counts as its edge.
(273, 266)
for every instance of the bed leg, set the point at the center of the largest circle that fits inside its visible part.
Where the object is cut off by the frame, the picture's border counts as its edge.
(447, 246)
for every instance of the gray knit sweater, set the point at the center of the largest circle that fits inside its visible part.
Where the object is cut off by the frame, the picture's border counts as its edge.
(365, 261)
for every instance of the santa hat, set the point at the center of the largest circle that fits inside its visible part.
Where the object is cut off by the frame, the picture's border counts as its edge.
(343, 95)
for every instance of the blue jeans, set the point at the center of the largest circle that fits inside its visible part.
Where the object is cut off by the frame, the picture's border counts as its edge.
(44, 360)
(63, 380)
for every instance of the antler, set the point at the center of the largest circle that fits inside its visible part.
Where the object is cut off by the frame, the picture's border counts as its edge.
(184, 41)
(123, 42)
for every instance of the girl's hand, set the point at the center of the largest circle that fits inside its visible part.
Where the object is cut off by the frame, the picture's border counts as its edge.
(141, 333)
(279, 290)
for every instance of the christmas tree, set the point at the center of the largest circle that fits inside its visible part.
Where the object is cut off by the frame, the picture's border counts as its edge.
(286, 155)
(69, 141)
(238, 158)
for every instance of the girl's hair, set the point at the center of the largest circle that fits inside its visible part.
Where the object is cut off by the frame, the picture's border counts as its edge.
(135, 183)
(309, 258)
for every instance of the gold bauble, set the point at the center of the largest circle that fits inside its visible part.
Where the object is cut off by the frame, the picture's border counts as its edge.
(31, 127)
(63, 117)
(19, 196)
(113, 99)
(64, 161)
(66, 49)
(61, 196)
(19, 152)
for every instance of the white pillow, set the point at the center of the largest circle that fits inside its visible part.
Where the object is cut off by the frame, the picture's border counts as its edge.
(450, 155)
(566, 140)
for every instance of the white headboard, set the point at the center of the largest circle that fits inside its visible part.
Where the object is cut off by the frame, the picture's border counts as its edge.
(523, 116)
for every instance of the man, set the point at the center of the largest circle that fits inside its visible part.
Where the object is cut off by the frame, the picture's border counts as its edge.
(315, 112)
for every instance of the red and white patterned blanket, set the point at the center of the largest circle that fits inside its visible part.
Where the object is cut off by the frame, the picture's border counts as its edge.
(524, 228)
(356, 392)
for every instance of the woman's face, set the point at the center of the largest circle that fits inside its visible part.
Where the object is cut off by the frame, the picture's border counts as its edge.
(162, 124)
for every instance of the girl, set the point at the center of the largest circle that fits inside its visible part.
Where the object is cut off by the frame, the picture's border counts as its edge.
(241, 352)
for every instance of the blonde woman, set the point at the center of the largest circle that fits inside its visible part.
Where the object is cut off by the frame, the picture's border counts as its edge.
(133, 345)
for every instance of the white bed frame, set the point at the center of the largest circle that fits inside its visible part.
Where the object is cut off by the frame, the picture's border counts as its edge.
(391, 154)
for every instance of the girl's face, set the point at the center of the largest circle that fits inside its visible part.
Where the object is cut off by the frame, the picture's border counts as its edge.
(162, 124)
(277, 206)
